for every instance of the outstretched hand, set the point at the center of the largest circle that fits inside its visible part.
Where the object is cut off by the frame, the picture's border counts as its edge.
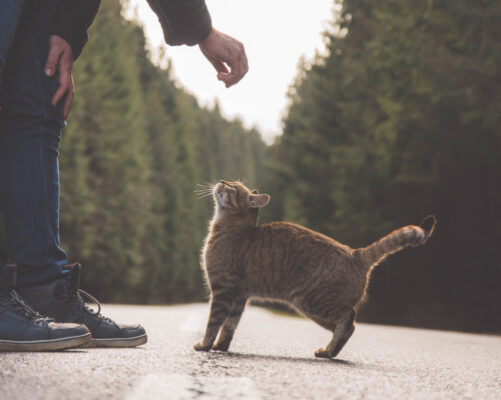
(227, 55)
(61, 59)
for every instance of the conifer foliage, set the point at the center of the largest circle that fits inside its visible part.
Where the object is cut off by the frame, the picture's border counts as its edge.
(400, 119)
(135, 148)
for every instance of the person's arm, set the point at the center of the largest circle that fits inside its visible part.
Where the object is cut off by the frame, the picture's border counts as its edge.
(188, 22)
(72, 19)
(183, 21)
(68, 36)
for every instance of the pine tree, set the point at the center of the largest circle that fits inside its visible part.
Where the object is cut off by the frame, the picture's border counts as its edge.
(134, 151)
(401, 119)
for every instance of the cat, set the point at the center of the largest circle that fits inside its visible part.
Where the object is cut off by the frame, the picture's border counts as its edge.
(319, 277)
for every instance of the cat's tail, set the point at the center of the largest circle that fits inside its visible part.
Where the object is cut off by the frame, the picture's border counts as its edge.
(397, 240)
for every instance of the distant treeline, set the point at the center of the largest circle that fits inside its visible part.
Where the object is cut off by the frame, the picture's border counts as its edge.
(400, 119)
(135, 148)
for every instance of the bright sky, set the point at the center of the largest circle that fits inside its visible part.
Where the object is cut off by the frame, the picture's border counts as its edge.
(276, 33)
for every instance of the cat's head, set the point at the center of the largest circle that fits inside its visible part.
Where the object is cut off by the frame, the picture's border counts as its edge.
(235, 198)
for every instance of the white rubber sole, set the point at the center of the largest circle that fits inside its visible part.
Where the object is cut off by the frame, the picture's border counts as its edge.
(118, 343)
(45, 345)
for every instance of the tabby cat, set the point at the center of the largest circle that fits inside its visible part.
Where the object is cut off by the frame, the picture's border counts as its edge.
(321, 278)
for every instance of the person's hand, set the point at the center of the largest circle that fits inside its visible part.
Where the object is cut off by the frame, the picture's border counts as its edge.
(61, 59)
(227, 55)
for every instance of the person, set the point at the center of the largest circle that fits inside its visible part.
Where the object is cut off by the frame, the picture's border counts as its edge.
(45, 310)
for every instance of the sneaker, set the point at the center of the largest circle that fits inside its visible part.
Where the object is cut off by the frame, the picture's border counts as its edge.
(23, 329)
(62, 300)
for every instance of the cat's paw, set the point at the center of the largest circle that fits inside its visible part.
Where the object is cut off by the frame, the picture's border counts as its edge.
(201, 347)
(322, 353)
(221, 346)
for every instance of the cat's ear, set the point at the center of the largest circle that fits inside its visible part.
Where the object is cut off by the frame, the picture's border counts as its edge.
(259, 200)
(255, 191)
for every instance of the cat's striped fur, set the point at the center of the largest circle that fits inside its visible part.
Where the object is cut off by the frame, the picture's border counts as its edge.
(321, 278)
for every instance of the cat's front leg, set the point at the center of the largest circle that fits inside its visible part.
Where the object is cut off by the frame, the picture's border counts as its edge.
(221, 305)
(230, 325)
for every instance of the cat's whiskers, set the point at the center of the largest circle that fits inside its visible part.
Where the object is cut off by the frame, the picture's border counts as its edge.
(204, 187)
(204, 195)
(204, 190)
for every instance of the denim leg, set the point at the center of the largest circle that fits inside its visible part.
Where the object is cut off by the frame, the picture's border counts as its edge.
(30, 130)
(10, 13)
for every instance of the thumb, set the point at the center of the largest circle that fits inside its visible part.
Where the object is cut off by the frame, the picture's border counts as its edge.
(52, 60)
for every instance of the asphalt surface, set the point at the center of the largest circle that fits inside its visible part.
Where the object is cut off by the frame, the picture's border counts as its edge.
(271, 357)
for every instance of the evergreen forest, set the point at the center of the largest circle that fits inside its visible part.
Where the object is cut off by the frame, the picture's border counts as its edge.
(402, 118)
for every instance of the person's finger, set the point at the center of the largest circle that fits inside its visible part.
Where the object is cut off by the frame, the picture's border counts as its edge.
(239, 67)
(245, 61)
(64, 78)
(69, 99)
(233, 77)
(226, 78)
(219, 65)
(64, 84)
(61, 91)
(235, 72)
(55, 53)
(68, 103)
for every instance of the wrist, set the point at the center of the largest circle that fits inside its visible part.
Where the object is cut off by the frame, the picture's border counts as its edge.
(207, 37)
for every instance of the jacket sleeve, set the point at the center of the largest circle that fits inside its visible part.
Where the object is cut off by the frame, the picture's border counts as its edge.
(72, 19)
(183, 21)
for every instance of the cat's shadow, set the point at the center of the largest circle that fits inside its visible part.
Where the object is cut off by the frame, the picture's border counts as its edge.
(265, 357)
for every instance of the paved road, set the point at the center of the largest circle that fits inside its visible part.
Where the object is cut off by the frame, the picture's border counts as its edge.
(271, 358)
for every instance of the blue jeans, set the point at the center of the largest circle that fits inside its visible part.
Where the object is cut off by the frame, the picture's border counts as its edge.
(10, 13)
(30, 129)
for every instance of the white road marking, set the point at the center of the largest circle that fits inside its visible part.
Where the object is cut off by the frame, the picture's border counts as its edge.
(194, 322)
(186, 387)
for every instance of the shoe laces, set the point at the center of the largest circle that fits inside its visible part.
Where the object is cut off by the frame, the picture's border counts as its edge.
(82, 305)
(25, 310)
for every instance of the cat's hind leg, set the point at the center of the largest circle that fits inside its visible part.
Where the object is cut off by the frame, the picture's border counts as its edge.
(229, 326)
(221, 306)
(341, 334)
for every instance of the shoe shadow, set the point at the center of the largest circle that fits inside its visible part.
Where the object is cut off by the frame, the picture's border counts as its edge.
(75, 350)
(86, 350)
(275, 358)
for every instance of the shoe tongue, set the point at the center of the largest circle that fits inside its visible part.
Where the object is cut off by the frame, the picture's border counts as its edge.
(8, 278)
(76, 271)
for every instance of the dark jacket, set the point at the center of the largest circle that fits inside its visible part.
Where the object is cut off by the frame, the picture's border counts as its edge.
(183, 21)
